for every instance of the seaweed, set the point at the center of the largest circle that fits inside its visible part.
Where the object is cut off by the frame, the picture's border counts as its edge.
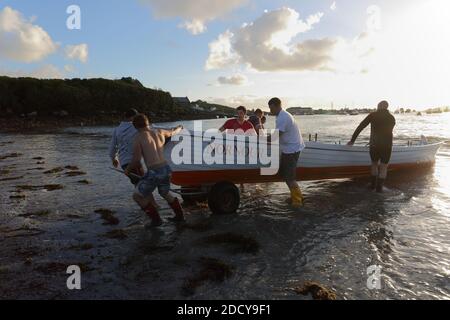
(75, 173)
(212, 270)
(17, 197)
(41, 213)
(48, 187)
(118, 234)
(11, 155)
(317, 291)
(11, 178)
(73, 168)
(54, 170)
(4, 172)
(108, 216)
(236, 242)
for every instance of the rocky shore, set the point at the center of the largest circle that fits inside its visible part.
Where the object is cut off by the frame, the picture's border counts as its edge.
(55, 124)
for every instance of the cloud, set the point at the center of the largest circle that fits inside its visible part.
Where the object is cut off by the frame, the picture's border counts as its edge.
(235, 80)
(78, 52)
(21, 40)
(195, 13)
(333, 6)
(267, 44)
(221, 52)
(47, 71)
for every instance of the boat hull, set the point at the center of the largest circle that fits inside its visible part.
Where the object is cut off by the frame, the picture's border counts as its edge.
(317, 162)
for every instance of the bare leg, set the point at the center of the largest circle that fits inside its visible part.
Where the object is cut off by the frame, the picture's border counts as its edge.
(374, 170)
(144, 202)
(374, 175)
(383, 171)
(382, 177)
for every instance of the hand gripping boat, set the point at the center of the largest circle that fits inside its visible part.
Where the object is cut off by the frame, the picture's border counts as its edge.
(201, 178)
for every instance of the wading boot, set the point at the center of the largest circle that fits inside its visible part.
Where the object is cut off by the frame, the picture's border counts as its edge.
(297, 200)
(153, 214)
(178, 210)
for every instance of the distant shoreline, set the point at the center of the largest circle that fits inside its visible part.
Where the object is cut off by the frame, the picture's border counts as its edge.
(55, 124)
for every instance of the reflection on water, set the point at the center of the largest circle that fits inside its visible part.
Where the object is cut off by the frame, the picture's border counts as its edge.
(343, 230)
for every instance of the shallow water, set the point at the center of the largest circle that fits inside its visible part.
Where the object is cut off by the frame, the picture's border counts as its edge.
(343, 230)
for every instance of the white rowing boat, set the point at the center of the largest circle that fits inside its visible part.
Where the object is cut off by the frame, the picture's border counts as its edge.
(318, 161)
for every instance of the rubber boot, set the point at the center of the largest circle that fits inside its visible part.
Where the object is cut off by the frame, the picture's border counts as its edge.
(297, 197)
(178, 210)
(373, 183)
(153, 214)
(380, 185)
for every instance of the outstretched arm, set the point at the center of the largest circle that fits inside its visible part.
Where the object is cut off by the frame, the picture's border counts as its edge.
(172, 132)
(360, 128)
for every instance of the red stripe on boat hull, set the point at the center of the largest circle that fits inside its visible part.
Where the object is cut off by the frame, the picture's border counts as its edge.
(196, 178)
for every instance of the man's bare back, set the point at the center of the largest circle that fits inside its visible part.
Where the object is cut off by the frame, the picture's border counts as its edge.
(150, 144)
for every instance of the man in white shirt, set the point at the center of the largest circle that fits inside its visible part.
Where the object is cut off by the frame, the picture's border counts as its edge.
(291, 145)
(121, 147)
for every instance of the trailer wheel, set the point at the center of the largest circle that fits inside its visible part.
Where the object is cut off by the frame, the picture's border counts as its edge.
(224, 198)
(190, 199)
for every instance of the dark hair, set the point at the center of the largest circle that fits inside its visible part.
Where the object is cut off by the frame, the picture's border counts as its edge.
(131, 113)
(275, 102)
(258, 111)
(242, 108)
(263, 119)
(141, 121)
(384, 105)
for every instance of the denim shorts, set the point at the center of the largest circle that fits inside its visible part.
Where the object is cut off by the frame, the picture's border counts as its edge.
(157, 178)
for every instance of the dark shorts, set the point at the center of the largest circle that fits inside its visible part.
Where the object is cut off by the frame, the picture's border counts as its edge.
(288, 166)
(157, 178)
(381, 153)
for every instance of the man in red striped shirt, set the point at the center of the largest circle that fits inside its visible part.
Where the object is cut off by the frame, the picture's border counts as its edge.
(240, 123)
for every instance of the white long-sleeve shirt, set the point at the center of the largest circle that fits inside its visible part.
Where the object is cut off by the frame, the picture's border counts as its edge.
(122, 143)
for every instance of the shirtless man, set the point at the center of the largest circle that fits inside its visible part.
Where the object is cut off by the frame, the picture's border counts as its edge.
(149, 144)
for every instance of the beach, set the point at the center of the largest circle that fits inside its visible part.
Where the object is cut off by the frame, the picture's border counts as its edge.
(61, 205)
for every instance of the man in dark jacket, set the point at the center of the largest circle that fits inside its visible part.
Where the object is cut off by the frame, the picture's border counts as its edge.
(381, 139)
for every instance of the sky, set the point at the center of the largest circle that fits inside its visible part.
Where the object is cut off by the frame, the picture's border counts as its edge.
(315, 53)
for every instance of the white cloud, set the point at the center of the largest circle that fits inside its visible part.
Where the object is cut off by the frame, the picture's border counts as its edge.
(266, 44)
(21, 40)
(235, 80)
(78, 52)
(47, 71)
(333, 6)
(195, 13)
(221, 52)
